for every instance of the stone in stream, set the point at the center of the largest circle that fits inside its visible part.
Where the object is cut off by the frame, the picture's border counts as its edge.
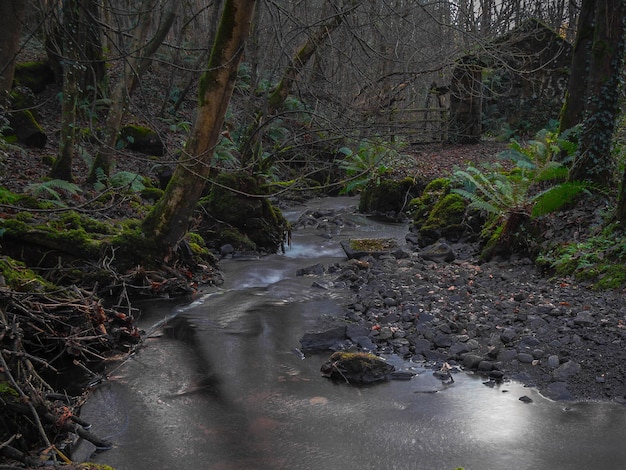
(324, 338)
(357, 368)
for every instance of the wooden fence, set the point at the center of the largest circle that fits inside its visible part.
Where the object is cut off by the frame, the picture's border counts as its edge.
(415, 125)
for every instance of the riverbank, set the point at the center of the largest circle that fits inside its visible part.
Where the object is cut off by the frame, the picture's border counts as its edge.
(502, 318)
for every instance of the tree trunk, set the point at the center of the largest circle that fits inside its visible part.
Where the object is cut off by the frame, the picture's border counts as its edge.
(575, 98)
(72, 72)
(11, 18)
(134, 67)
(167, 223)
(595, 163)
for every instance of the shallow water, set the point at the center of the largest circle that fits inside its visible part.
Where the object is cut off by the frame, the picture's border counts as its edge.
(226, 388)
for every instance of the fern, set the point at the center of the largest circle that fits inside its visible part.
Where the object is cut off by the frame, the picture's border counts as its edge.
(52, 189)
(127, 179)
(556, 197)
(518, 191)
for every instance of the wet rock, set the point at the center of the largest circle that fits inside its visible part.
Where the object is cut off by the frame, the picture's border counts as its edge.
(443, 341)
(554, 361)
(565, 371)
(438, 252)
(357, 368)
(323, 339)
(471, 361)
(525, 358)
(558, 391)
(584, 319)
(316, 269)
(508, 335)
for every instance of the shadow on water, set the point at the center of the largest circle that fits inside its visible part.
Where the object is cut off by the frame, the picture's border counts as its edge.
(220, 386)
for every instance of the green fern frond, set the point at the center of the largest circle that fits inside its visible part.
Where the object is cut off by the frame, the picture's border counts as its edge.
(127, 179)
(556, 197)
(477, 202)
(50, 189)
(552, 172)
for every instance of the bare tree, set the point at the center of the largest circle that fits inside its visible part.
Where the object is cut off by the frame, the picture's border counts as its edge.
(11, 19)
(168, 221)
(135, 64)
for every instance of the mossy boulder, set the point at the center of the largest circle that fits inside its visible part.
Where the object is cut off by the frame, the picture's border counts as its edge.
(23, 124)
(356, 248)
(238, 204)
(388, 196)
(439, 213)
(446, 218)
(34, 75)
(421, 206)
(356, 368)
(141, 139)
(18, 277)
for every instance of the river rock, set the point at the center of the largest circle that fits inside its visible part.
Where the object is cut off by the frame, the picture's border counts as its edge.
(438, 252)
(565, 371)
(356, 368)
(324, 339)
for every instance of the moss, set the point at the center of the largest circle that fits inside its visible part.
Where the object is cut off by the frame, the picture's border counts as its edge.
(34, 75)
(75, 220)
(24, 216)
(8, 197)
(387, 195)
(611, 276)
(132, 247)
(48, 160)
(244, 209)
(95, 466)
(371, 244)
(368, 360)
(13, 226)
(7, 389)
(433, 192)
(446, 215)
(20, 278)
(239, 240)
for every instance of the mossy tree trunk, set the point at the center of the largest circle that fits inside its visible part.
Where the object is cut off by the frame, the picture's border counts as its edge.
(575, 99)
(72, 72)
(135, 65)
(11, 18)
(167, 223)
(252, 145)
(595, 163)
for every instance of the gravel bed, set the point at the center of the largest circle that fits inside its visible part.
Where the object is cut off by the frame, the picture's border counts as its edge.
(502, 318)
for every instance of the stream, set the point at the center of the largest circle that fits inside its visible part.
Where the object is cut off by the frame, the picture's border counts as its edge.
(225, 387)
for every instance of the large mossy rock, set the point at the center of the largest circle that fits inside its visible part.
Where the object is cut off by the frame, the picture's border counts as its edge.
(24, 127)
(244, 216)
(389, 197)
(439, 213)
(34, 75)
(141, 139)
(357, 368)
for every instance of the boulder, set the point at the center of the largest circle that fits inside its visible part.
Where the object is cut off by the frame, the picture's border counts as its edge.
(361, 247)
(357, 368)
(141, 139)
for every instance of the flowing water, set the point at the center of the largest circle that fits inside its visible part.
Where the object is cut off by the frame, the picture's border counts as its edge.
(225, 387)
